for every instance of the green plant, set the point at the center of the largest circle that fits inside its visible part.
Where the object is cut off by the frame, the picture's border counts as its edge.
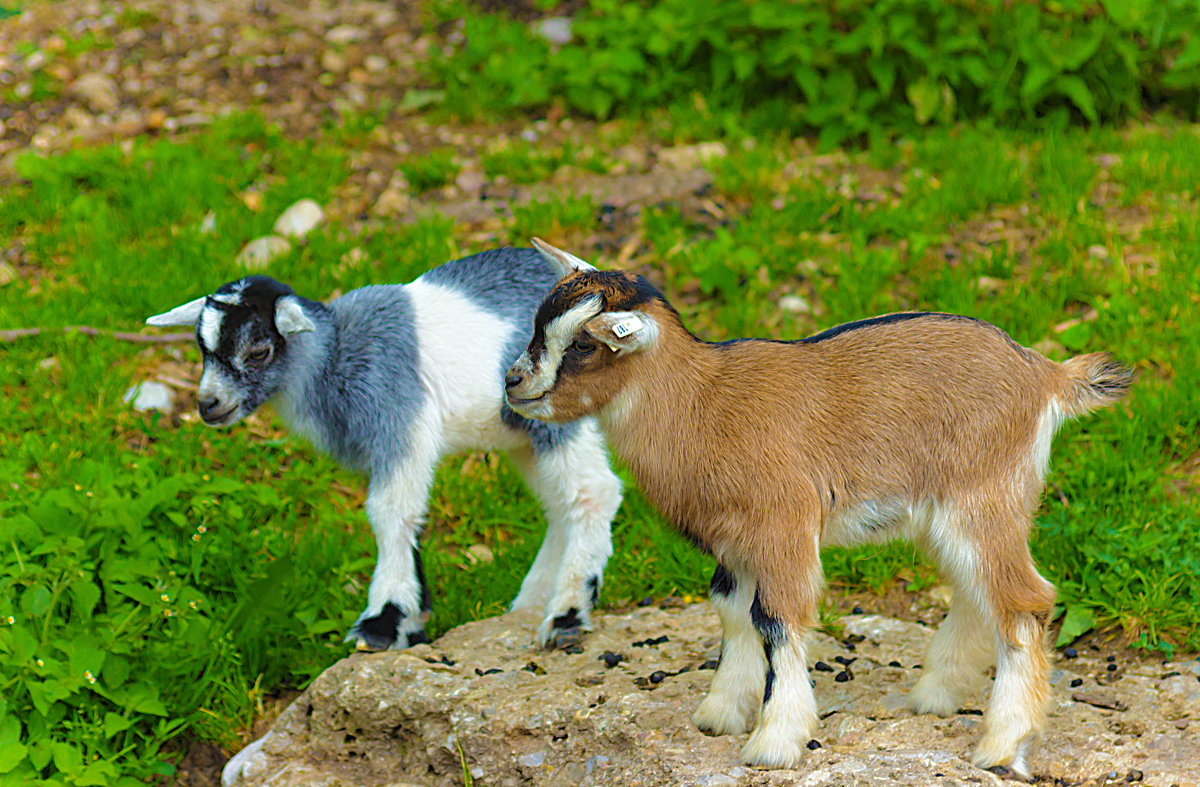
(843, 68)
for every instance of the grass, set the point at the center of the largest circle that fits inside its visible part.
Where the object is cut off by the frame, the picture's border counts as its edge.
(158, 579)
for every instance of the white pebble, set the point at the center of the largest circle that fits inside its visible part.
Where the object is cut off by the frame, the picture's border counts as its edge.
(258, 253)
(299, 219)
(151, 395)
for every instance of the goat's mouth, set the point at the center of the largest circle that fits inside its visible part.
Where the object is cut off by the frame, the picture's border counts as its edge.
(223, 418)
(517, 401)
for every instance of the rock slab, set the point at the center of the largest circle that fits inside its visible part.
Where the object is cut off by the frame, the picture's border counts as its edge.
(483, 701)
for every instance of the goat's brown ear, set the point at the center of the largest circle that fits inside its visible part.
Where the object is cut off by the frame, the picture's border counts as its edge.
(623, 332)
(566, 262)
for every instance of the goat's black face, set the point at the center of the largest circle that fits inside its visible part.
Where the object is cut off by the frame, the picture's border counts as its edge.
(245, 353)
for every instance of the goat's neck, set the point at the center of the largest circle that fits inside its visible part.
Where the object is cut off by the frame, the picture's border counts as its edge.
(311, 355)
(654, 423)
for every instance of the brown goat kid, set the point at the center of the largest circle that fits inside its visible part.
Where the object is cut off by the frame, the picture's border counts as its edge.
(930, 427)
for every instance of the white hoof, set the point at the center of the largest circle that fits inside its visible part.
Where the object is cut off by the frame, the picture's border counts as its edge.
(931, 695)
(774, 748)
(719, 715)
(995, 751)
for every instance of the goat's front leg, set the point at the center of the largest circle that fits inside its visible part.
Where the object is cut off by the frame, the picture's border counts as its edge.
(737, 687)
(581, 495)
(398, 601)
(789, 709)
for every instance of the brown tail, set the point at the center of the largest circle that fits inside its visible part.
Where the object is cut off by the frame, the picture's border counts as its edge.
(1094, 380)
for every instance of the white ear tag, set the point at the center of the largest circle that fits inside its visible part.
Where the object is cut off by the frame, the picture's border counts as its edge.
(626, 327)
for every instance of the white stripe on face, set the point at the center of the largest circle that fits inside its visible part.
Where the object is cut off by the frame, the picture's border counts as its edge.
(558, 335)
(210, 327)
(228, 297)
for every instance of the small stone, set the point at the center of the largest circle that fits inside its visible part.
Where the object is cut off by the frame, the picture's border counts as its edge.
(299, 219)
(555, 29)
(1134, 775)
(480, 553)
(1076, 683)
(814, 744)
(692, 156)
(821, 666)
(532, 760)
(658, 676)
(469, 180)
(333, 62)
(375, 64)
(1098, 251)
(345, 34)
(98, 91)
(208, 225)
(710, 664)
(1110, 659)
(845, 661)
(1070, 653)
(895, 664)
(857, 610)
(843, 676)
(149, 396)
(611, 659)
(646, 602)
(8, 274)
(258, 253)
(796, 305)
(1111, 667)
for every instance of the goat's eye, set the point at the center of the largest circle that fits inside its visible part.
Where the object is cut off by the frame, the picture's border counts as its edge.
(258, 355)
(583, 347)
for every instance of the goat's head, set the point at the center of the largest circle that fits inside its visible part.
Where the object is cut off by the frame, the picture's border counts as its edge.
(585, 334)
(243, 331)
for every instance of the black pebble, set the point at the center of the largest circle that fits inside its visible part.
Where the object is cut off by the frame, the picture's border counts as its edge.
(611, 659)
(1134, 776)
(844, 661)
(1112, 667)
(895, 664)
(657, 676)
(814, 744)
(844, 676)
(857, 610)
(1070, 653)
(1077, 683)
(850, 646)
(642, 643)
(821, 666)
(710, 664)
(647, 601)
(1110, 659)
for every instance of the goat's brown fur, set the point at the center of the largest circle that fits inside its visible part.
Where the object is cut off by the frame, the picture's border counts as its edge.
(760, 450)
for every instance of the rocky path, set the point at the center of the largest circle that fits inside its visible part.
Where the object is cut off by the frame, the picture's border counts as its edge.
(481, 706)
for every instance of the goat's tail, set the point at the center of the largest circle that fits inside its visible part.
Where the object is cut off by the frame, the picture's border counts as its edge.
(1094, 380)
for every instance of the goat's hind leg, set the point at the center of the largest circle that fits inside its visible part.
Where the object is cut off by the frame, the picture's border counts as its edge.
(995, 569)
(737, 687)
(960, 651)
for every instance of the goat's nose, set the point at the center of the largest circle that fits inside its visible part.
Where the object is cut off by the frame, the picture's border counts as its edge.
(208, 405)
(512, 379)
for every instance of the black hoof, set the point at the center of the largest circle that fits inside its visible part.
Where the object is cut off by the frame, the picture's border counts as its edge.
(378, 632)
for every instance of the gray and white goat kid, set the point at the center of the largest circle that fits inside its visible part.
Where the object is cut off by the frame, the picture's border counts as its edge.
(930, 427)
(389, 379)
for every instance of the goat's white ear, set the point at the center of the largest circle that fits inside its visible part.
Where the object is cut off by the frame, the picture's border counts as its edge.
(564, 261)
(290, 317)
(187, 314)
(623, 332)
